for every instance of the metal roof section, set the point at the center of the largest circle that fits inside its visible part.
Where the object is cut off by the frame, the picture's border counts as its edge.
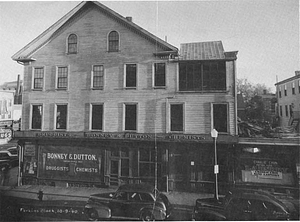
(24, 55)
(212, 50)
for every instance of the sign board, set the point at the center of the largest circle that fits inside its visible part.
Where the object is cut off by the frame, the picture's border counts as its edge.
(70, 163)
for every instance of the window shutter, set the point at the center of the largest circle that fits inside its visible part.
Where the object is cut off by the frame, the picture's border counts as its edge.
(53, 78)
(86, 116)
(51, 116)
(28, 85)
(26, 120)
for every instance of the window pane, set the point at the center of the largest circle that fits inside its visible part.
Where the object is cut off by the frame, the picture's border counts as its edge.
(160, 74)
(37, 117)
(97, 116)
(125, 167)
(38, 78)
(61, 117)
(98, 74)
(177, 117)
(62, 77)
(130, 117)
(131, 75)
(113, 41)
(220, 117)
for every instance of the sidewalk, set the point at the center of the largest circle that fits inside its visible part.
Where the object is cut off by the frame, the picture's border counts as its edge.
(180, 200)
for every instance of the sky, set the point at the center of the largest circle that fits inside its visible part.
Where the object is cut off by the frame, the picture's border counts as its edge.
(264, 32)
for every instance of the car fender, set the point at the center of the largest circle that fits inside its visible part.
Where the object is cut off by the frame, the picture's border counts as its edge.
(103, 211)
(157, 213)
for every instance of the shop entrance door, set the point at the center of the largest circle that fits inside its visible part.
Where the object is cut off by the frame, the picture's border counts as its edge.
(119, 166)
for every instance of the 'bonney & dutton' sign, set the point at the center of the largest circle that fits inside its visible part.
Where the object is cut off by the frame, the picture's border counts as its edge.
(123, 135)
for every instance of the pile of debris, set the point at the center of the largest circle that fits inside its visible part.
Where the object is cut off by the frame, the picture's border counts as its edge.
(255, 129)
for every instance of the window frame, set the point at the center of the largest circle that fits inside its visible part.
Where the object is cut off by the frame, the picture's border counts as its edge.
(136, 118)
(155, 75)
(109, 41)
(91, 117)
(31, 116)
(125, 76)
(293, 88)
(55, 116)
(285, 90)
(227, 117)
(100, 87)
(57, 78)
(33, 78)
(286, 111)
(150, 162)
(73, 43)
(170, 117)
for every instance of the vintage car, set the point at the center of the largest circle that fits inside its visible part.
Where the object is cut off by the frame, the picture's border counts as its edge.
(9, 157)
(249, 205)
(130, 202)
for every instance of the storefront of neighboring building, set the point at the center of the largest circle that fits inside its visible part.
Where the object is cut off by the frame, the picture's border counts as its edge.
(6, 116)
(268, 163)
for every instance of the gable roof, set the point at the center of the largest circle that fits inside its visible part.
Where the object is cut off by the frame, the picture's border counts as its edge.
(205, 51)
(25, 53)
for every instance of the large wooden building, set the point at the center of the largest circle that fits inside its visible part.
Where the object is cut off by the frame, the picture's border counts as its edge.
(106, 102)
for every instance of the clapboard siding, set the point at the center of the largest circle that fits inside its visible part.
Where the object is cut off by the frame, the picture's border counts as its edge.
(92, 28)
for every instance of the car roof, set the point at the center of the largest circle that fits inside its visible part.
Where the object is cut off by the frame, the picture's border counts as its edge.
(136, 187)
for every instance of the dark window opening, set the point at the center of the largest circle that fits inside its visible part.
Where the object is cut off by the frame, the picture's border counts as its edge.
(61, 117)
(72, 44)
(97, 117)
(220, 114)
(202, 76)
(177, 117)
(131, 75)
(159, 74)
(130, 117)
(37, 111)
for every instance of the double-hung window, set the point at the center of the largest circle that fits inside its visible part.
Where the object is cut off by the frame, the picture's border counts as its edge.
(131, 117)
(72, 44)
(285, 90)
(61, 116)
(62, 77)
(98, 77)
(97, 117)
(279, 92)
(220, 117)
(130, 76)
(38, 78)
(36, 117)
(176, 117)
(113, 41)
(159, 74)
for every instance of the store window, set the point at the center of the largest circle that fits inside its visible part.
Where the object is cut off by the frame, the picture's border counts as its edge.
(130, 75)
(220, 117)
(36, 120)
(97, 117)
(147, 162)
(131, 117)
(61, 116)
(177, 117)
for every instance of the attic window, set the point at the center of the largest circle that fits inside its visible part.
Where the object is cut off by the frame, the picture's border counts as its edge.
(72, 44)
(113, 41)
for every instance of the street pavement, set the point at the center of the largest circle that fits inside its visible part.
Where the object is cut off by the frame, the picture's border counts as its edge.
(181, 201)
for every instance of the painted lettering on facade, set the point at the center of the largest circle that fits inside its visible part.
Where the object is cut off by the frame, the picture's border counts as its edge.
(71, 164)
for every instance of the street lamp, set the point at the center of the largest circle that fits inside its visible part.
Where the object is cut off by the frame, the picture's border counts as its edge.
(214, 135)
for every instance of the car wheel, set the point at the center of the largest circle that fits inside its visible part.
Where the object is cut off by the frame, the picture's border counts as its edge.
(92, 214)
(147, 216)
